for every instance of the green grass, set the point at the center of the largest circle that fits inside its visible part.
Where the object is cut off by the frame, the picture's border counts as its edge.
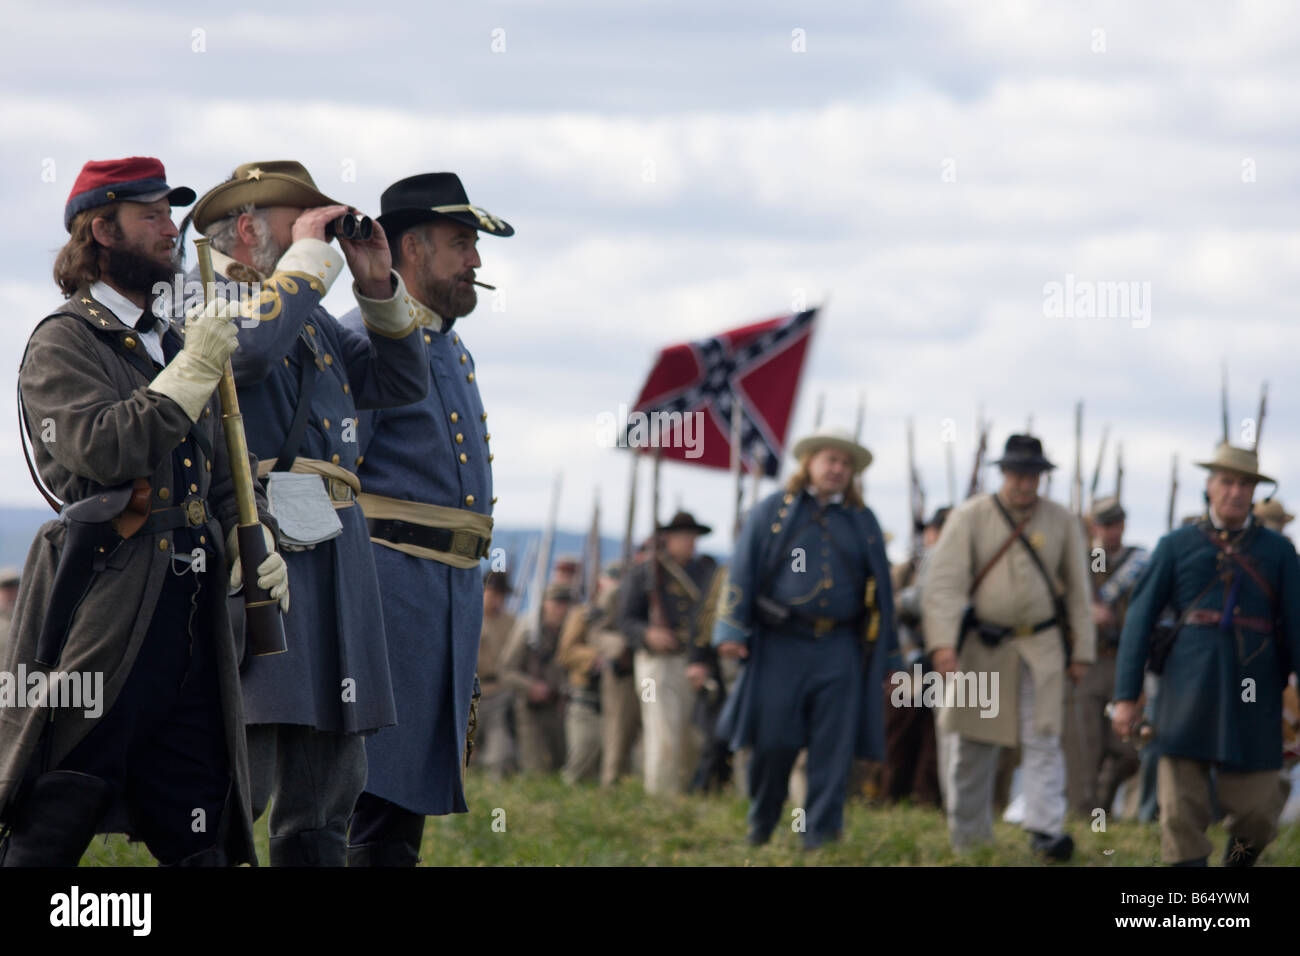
(547, 823)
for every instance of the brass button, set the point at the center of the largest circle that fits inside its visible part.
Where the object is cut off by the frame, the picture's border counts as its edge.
(325, 422)
(329, 359)
(455, 339)
(427, 336)
(347, 389)
(129, 342)
(162, 545)
(207, 465)
(490, 457)
(463, 458)
(487, 436)
(483, 417)
(164, 493)
(334, 459)
(494, 501)
(776, 527)
(112, 195)
(460, 437)
(454, 417)
(360, 459)
(463, 358)
(207, 412)
(469, 499)
(203, 539)
(188, 463)
(469, 377)
(311, 330)
(286, 361)
(193, 487)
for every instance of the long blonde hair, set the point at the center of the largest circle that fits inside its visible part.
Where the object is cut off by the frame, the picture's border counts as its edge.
(801, 479)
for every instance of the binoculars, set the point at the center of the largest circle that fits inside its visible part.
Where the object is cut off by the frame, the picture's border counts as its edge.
(350, 226)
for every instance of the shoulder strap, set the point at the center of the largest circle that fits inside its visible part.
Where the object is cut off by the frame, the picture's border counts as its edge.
(1241, 560)
(1058, 604)
(1016, 530)
(306, 388)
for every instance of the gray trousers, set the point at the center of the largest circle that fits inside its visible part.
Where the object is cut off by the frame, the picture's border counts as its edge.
(973, 765)
(494, 749)
(582, 733)
(312, 779)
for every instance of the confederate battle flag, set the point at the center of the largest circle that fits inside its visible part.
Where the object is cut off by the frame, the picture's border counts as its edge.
(758, 364)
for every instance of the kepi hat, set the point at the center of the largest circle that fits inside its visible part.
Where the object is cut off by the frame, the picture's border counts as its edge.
(134, 179)
(1107, 510)
(838, 438)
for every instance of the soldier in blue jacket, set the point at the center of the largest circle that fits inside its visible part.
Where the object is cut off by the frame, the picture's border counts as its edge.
(428, 499)
(1235, 586)
(302, 377)
(808, 604)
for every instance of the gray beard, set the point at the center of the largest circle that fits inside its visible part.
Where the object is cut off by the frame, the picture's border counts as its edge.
(266, 253)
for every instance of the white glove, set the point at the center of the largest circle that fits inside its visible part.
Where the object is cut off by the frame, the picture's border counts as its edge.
(210, 338)
(272, 574)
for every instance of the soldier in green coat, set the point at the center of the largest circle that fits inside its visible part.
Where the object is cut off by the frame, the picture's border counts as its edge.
(1235, 587)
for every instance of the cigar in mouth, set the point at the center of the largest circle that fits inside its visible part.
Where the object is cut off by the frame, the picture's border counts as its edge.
(484, 285)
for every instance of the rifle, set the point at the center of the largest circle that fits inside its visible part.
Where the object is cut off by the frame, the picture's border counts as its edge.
(1096, 471)
(265, 626)
(1119, 471)
(1263, 408)
(916, 494)
(973, 488)
(657, 616)
(1076, 493)
(1173, 492)
(540, 568)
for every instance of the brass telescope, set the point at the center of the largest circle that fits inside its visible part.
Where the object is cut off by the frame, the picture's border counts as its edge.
(263, 626)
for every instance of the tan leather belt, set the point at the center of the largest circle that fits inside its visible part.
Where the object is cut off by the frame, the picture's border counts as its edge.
(470, 532)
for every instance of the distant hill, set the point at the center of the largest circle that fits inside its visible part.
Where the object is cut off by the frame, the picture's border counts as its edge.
(18, 527)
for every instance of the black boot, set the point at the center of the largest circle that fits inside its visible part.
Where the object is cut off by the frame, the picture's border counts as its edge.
(1059, 848)
(387, 853)
(309, 848)
(56, 820)
(1239, 853)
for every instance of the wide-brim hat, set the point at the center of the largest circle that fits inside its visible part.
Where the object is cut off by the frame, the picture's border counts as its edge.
(836, 438)
(133, 179)
(685, 521)
(1241, 461)
(428, 197)
(274, 182)
(1270, 509)
(9, 576)
(1023, 453)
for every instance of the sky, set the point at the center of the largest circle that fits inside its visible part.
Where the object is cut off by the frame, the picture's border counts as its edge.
(938, 174)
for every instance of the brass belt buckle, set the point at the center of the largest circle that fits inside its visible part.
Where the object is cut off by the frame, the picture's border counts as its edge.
(464, 543)
(822, 626)
(195, 512)
(339, 489)
(1024, 630)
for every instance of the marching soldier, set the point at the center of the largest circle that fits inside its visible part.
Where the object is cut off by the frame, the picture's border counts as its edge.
(672, 655)
(492, 742)
(529, 666)
(132, 442)
(1016, 561)
(1101, 760)
(808, 603)
(1272, 515)
(428, 500)
(1235, 586)
(301, 377)
(911, 754)
(582, 654)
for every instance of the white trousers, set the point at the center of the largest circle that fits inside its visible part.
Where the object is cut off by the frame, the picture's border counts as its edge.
(668, 740)
(973, 766)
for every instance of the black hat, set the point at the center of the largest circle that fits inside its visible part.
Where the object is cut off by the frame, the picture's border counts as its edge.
(1023, 453)
(939, 517)
(685, 521)
(431, 196)
(497, 581)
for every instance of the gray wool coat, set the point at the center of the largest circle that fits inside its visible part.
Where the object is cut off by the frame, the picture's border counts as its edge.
(108, 428)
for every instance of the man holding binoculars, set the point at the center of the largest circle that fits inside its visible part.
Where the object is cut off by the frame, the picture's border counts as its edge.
(301, 378)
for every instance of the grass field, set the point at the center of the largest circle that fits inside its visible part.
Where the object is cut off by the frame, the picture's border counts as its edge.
(543, 822)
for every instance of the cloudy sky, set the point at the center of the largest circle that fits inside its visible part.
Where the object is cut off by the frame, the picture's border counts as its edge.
(927, 169)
